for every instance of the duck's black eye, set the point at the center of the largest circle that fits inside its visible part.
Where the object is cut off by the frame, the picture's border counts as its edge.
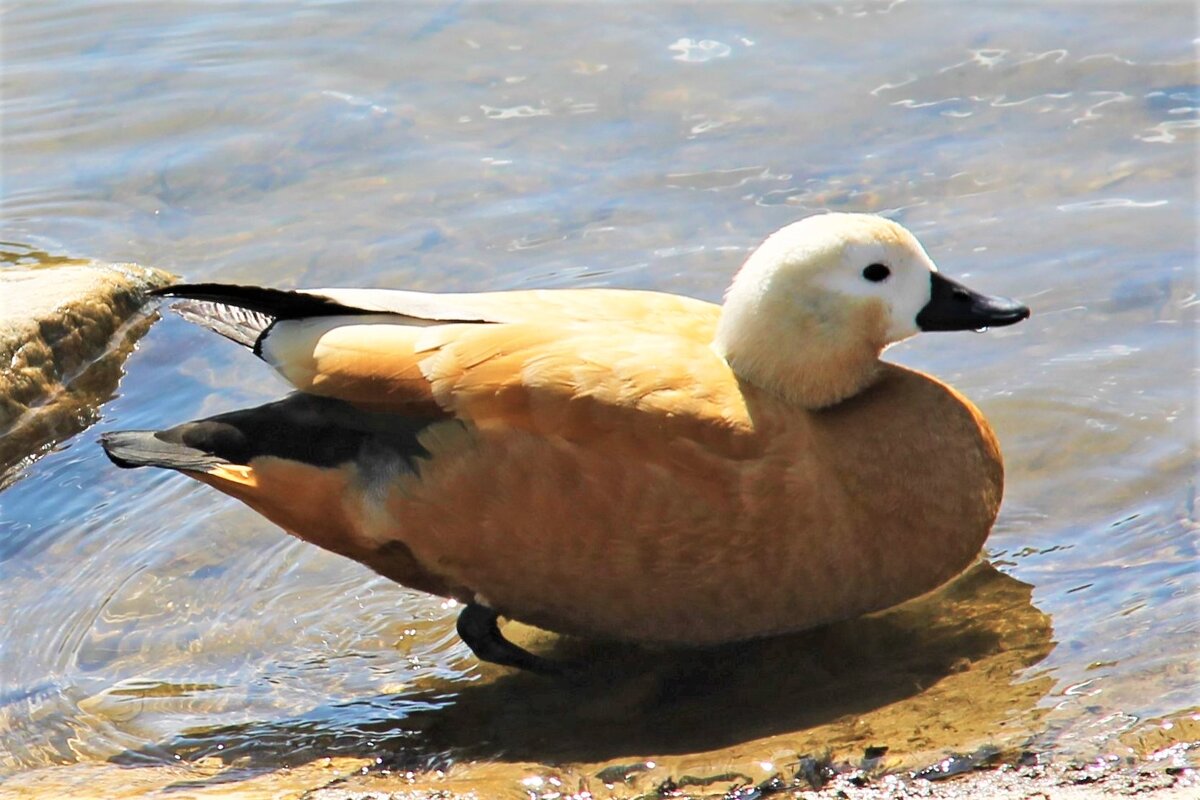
(876, 273)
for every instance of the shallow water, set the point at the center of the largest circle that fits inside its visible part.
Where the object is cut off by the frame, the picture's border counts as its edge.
(1044, 152)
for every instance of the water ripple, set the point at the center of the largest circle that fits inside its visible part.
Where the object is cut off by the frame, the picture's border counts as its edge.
(1167, 132)
(514, 112)
(693, 51)
(1111, 202)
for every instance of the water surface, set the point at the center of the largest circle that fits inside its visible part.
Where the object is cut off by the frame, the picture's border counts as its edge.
(1041, 151)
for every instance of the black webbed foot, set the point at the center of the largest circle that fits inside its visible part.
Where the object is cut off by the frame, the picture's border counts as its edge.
(478, 628)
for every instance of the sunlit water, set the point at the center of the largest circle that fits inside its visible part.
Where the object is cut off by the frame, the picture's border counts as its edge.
(1044, 152)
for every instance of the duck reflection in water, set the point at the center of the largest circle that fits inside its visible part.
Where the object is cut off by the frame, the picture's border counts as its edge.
(946, 670)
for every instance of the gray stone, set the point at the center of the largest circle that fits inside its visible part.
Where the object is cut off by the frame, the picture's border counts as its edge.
(64, 333)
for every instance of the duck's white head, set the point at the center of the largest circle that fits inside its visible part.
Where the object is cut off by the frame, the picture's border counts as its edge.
(813, 307)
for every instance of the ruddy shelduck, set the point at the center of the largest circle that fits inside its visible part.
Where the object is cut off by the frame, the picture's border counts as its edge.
(625, 465)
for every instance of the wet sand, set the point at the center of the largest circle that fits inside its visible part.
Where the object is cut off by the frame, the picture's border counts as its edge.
(953, 778)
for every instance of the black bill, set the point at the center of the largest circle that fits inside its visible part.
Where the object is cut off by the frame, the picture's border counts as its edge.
(954, 307)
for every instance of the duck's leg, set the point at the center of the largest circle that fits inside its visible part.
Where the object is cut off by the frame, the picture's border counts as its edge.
(477, 627)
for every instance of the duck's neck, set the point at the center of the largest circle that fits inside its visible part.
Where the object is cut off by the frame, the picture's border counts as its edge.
(801, 354)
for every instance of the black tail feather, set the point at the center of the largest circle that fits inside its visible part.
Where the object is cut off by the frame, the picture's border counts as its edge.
(245, 314)
(240, 325)
(131, 449)
(275, 303)
(320, 431)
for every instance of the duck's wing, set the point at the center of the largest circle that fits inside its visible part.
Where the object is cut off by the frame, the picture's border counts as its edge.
(636, 307)
(579, 361)
(245, 313)
(581, 381)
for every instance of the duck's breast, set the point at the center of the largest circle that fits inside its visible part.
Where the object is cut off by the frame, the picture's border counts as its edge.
(915, 478)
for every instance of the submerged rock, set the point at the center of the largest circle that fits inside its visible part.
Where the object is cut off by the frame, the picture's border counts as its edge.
(64, 333)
